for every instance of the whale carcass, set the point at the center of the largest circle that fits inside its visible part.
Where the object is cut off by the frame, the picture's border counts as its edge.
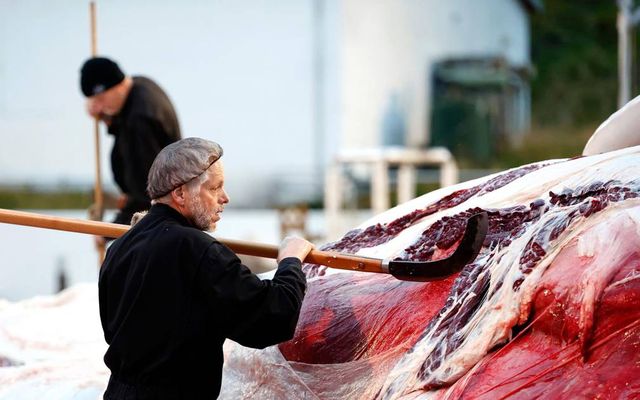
(549, 308)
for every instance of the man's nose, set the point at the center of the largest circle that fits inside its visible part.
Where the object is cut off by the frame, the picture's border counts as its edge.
(225, 197)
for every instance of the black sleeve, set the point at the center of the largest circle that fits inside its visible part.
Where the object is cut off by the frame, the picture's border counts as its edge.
(144, 144)
(103, 300)
(255, 313)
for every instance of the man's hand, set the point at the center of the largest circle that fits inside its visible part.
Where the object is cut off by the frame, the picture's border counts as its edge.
(96, 111)
(92, 108)
(294, 247)
(121, 201)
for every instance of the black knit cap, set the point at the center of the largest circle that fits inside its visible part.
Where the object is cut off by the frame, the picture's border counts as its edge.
(99, 74)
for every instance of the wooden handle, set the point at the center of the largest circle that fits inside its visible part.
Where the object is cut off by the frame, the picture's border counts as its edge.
(62, 224)
(94, 36)
(329, 259)
(97, 188)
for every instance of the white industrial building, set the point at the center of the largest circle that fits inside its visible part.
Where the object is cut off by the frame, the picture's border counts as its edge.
(285, 86)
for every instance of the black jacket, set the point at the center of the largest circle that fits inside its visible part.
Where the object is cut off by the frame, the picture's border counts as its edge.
(144, 126)
(169, 296)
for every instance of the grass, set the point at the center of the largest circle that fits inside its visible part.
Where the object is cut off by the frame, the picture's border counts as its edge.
(545, 144)
(33, 198)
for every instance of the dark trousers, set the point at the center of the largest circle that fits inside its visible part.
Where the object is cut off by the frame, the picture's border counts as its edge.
(118, 390)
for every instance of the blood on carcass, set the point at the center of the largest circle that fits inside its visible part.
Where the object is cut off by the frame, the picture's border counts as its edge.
(550, 306)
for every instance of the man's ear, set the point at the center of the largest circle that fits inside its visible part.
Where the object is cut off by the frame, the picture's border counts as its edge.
(178, 195)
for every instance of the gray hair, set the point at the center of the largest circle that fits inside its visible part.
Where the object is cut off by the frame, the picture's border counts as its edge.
(179, 163)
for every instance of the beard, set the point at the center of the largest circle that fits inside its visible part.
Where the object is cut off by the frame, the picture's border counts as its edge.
(201, 217)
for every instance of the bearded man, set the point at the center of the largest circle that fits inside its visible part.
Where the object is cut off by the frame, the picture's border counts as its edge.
(170, 294)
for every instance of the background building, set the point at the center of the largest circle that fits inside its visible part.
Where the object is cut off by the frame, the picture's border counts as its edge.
(283, 86)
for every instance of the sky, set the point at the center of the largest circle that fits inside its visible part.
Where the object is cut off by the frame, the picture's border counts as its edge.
(238, 72)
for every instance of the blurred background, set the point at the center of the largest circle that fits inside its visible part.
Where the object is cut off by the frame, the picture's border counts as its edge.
(329, 111)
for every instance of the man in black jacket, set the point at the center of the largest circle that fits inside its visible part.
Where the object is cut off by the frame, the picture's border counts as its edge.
(170, 294)
(142, 119)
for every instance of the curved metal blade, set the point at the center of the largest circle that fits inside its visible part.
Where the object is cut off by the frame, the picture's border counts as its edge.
(467, 250)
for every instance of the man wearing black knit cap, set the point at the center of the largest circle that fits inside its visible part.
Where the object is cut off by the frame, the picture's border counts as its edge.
(142, 119)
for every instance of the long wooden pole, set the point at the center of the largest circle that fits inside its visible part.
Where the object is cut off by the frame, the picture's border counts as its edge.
(331, 259)
(97, 189)
(416, 271)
